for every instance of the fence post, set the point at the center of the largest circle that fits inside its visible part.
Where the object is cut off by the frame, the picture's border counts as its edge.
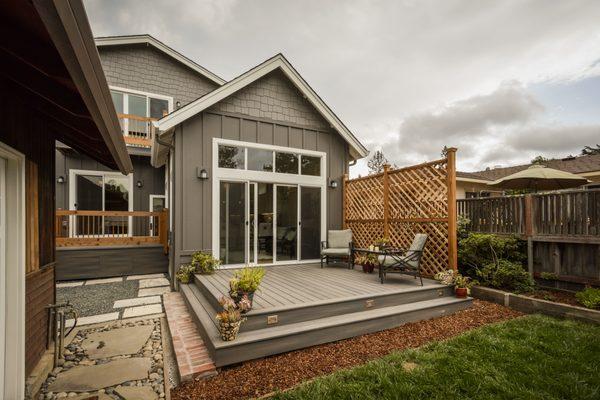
(344, 201)
(386, 201)
(451, 182)
(529, 232)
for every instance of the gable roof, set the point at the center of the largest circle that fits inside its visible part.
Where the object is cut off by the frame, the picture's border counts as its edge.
(357, 150)
(157, 44)
(574, 165)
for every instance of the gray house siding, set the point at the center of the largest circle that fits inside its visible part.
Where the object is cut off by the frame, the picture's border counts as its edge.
(153, 179)
(193, 148)
(144, 68)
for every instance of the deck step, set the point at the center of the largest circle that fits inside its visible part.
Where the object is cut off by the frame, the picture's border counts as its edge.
(191, 353)
(259, 318)
(282, 338)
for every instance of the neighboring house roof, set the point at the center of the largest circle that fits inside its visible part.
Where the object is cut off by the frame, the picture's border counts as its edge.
(56, 61)
(168, 122)
(151, 41)
(576, 165)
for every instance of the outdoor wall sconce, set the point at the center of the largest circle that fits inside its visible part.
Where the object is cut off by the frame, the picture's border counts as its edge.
(333, 184)
(60, 179)
(139, 184)
(178, 104)
(201, 173)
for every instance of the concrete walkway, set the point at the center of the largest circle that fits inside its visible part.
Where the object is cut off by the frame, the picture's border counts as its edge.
(149, 290)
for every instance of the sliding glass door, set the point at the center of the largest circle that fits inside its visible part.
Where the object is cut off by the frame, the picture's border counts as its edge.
(265, 223)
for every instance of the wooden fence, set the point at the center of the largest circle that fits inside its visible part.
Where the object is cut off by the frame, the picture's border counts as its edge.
(400, 203)
(562, 230)
(81, 228)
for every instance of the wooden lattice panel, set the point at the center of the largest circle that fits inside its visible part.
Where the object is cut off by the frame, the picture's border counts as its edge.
(401, 203)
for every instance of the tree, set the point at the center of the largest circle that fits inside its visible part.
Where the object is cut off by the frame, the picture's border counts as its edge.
(589, 150)
(539, 160)
(377, 162)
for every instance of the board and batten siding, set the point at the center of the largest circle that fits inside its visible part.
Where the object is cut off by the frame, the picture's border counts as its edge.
(193, 148)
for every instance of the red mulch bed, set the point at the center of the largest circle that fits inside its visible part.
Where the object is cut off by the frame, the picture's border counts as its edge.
(259, 377)
(557, 296)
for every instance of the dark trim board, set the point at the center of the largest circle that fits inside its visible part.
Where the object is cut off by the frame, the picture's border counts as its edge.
(372, 308)
(105, 262)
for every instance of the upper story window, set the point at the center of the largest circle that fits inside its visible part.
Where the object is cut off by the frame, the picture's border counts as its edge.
(137, 110)
(258, 159)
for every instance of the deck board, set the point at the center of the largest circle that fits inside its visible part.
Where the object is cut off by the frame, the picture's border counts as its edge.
(290, 285)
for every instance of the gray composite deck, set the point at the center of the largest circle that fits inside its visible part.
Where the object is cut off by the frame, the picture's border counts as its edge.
(313, 306)
(293, 285)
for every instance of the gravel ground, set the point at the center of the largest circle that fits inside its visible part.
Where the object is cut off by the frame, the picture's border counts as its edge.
(263, 376)
(97, 299)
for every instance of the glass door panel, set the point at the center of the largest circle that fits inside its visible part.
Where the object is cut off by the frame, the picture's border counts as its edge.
(252, 221)
(89, 198)
(264, 221)
(310, 222)
(116, 198)
(232, 217)
(287, 222)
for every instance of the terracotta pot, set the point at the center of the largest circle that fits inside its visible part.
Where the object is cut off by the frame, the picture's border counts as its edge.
(461, 292)
(368, 268)
(229, 330)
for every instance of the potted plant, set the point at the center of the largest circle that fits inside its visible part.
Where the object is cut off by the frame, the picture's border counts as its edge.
(205, 263)
(368, 262)
(382, 242)
(461, 285)
(185, 272)
(231, 318)
(245, 282)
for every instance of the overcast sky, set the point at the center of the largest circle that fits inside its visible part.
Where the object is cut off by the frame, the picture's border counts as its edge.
(503, 81)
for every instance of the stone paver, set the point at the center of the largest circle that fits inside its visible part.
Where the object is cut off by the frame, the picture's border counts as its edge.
(138, 301)
(121, 341)
(93, 319)
(193, 360)
(104, 280)
(154, 291)
(148, 283)
(69, 284)
(92, 378)
(101, 396)
(149, 276)
(142, 310)
(136, 393)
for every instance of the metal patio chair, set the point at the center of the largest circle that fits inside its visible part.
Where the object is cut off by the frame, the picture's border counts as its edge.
(404, 261)
(337, 246)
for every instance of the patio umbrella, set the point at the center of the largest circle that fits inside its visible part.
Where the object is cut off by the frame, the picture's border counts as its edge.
(539, 177)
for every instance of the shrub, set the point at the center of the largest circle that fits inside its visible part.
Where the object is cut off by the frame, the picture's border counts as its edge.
(589, 297)
(247, 279)
(205, 263)
(505, 274)
(185, 273)
(477, 250)
(549, 276)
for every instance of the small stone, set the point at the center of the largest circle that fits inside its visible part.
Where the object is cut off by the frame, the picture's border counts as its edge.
(55, 371)
(68, 364)
(158, 356)
(61, 395)
(72, 394)
(154, 376)
(161, 395)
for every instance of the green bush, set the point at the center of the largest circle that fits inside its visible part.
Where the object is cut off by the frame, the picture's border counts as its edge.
(589, 297)
(247, 279)
(185, 272)
(505, 274)
(477, 250)
(204, 263)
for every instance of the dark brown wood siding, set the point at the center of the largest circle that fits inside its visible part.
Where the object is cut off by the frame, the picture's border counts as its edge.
(33, 134)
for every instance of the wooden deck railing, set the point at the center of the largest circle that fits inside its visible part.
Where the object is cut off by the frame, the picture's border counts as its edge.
(80, 228)
(137, 130)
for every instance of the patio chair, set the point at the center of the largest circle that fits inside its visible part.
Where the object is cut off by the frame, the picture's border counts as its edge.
(337, 246)
(404, 261)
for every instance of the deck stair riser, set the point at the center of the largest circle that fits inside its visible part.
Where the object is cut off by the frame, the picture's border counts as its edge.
(258, 319)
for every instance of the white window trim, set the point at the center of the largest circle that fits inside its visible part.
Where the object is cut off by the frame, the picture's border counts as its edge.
(73, 191)
(276, 178)
(14, 290)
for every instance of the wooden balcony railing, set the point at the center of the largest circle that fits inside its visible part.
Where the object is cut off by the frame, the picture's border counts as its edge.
(137, 130)
(79, 228)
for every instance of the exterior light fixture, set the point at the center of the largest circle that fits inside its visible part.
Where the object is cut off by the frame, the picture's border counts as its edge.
(333, 184)
(139, 184)
(201, 173)
(178, 104)
(60, 179)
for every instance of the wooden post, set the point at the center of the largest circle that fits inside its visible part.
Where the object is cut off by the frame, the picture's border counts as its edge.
(529, 232)
(344, 201)
(386, 201)
(451, 182)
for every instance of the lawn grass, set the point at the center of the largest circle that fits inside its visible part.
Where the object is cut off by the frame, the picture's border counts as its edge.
(533, 357)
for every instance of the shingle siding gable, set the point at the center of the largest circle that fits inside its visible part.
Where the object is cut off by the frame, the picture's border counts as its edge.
(272, 97)
(144, 68)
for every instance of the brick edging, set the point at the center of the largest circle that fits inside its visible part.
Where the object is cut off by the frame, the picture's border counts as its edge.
(193, 359)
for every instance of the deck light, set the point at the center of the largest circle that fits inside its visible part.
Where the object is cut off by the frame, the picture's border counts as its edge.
(201, 173)
(139, 184)
(333, 184)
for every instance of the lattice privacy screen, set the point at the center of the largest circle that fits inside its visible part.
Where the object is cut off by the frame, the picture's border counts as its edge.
(401, 203)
